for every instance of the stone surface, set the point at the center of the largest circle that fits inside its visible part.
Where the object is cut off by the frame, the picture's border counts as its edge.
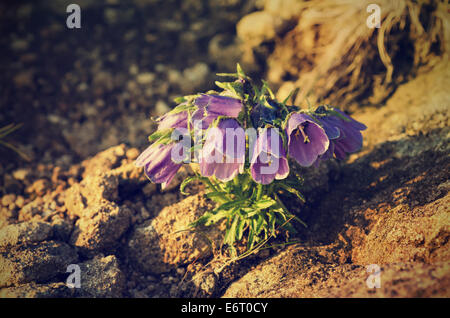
(101, 227)
(33, 290)
(161, 244)
(346, 280)
(38, 262)
(101, 277)
(15, 234)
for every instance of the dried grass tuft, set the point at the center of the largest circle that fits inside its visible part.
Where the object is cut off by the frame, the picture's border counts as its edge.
(334, 57)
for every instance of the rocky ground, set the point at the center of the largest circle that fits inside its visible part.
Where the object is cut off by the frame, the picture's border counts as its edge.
(82, 201)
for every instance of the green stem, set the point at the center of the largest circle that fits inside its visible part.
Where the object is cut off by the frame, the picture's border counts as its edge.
(260, 191)
(210, 184)
(236, 181)
(277, 198)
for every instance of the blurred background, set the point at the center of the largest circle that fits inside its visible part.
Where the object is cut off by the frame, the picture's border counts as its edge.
(80, 91)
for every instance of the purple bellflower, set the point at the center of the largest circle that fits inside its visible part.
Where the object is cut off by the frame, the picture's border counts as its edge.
(306, 139)
(212, 106)
(345, 135)
(269, 157)
(158, 164)
(177, 120)
(223, 153)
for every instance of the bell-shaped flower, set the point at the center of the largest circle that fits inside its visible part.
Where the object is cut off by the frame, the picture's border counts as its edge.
(348, 138)
(212, 106)
(158, 163)
(173, 120)
(306, 139)
(268, 160)
(223, 153)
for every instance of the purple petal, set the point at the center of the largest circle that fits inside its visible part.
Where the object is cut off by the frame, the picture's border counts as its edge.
(306, 153)
(263, 172)
(220, 105)
(215, 146)
(331, 126)
(178, 120)
(354, 123)
(227, 171)
(162, 171)
(268, 141)
(152, 153)
(296, 120)
(283, 169)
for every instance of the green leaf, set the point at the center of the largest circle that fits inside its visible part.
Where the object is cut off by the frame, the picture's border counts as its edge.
(186, 182)
(181, 108)
(240, 71)
(217, 196)
(292, 93)
(264, 203)
(230, 235)
(293, 191)
(216, 217)
(251, 239)
(160, 134)
(272, 221)
(234, 88)
(231, 204)
(180, 99)
(267, 88)
(228, 75)
(240, 228)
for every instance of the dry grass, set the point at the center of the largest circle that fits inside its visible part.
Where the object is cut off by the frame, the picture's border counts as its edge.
(334, 57)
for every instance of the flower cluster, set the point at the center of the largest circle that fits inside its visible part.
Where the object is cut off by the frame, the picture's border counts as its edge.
(241, 140)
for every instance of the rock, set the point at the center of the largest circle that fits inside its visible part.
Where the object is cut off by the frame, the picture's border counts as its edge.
(284, 9)
(156, 246)
(25, 232)
(130, 179)
(8, 199)
(21, 174)
(20, 201)
(39, 187)
(102, 221)
(145, 78)
(31, 210)
(225, 51)
(331, 281)
(256, 28)
(194, 77)
(161, 108)
(403, 234)
(182, 174)
(7, 216)
(33, 290)
(101, 277)
(35, 262)
(149, 189)
(393, 210)
(100, 227)
(91, 191)
(61, 229)
(104, 161)
(132, 153)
